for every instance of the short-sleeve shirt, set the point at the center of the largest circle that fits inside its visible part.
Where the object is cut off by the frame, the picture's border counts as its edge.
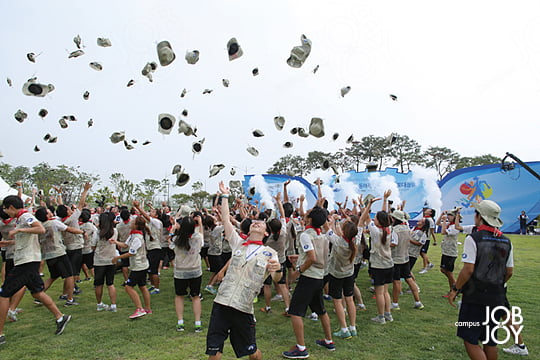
(51, 242)
(27, 247)
(449, 246)
(138, 260)
(73, 241)
(187, 264)
(469, 253)
(380, 254)
(105, 251)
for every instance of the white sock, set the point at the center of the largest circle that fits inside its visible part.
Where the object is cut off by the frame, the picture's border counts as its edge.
(417, 303)
(113, 306)
(268, 307)
(181, 322)
(344, 329)
(197, 323)
(328, 341)
(300, 347)
(395, 304)
(352, 328)
(60, 319)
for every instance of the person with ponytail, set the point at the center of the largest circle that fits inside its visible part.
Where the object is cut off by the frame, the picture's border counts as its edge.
(419, 237)
(187, 242)
(104, 247)
(138, 266)
(382, 265)
(450, 229)
(341, 273)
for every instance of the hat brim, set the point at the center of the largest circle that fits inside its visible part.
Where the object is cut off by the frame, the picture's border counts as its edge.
(491, 220)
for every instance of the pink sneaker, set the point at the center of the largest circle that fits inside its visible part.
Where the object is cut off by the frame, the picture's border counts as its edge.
(148, 311)
(137, 314)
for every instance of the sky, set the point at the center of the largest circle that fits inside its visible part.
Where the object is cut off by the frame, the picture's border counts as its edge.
(466, 76)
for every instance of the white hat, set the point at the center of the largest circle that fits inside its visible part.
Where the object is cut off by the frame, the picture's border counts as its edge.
(75, 54)
(192, 57)
(20, 115)
(96, 66)
(302, 132)
(399, 215)
(279, 122)
(393, 97)
(43, 112)
(316, 127)
(233, 49)
(235, 184)
(207, 91)
(63, 123)
(165, 53)
(335, 136)
(215, 169)
(86, 95)
(32, 88)
(345, 90)
(255, 71)
(130, 83)
(166, 123)
(146, 142)
(390, 139)
(31, 57)
(350, 139)
(36, 148)
(232, 172)
(77, 40)
(196, 147)
(128, 146)
(8, 80)
(225, 82)
(300, 53)
(257, 133)
(367, 199)
(90, 123)
(253, 151)
(53, 139)
(184, 211)
(104, 42)
(184, 92)
(176, 169)
(288, 145)
(184, 112)
(490, 212)
(325, 164)
(185, 128)
(117, 137)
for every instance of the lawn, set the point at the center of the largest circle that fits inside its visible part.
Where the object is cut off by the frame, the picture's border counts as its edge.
(415, 334)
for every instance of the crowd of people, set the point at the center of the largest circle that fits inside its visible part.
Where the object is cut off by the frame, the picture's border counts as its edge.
(306, 255)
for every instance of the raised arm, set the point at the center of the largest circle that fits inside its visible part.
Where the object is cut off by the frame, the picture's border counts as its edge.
(84, 194)
(319, 191)
(364, 219)
(228, 227)
(137, 205)
(386, 195)
(277, 198)
(285, 194)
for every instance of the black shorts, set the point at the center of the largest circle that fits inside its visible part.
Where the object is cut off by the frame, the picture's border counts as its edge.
(3, 252)
(425, 247)
(382, 276)
(75, 257)
(154, 257)
(216, 263)
(343, 286)
(137, 278)
(181, 285)
(402, 271)
(308, 292)
(204, 252)
(125, 261)
(225, 320)
(88, 260)
(104, 274)
(288, 263)
(412, 261)
(470, 320)
(20, 276)
(356, 270)
(226, 257)
(60, 267)
(10, 264)
(447, 262)
(168, 255)
(282, 279)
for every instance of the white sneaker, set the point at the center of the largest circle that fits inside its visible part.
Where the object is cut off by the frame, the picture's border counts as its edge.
(430, 266)
(516, 350)
(378, 319)
(277, 297)
(102, 307)
(423, 271)
(313, 317)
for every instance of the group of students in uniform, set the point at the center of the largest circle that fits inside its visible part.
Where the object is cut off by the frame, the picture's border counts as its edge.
(245, 248)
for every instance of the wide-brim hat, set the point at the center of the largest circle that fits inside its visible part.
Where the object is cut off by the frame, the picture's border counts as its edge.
(184, 211)
(96, 66)
(192, 56)
(20, 115)
(253, 151)
(117, 136)
(182, 179)
(233, 49)
(185, 128)
(165, 53)
(196, 147)
(489, 211)
(32, 88)
(166, 123)
(316, 127)
(235, 184)
(367, 199)
(75, 54)
(300, 53)
(104, 42)
(399, 215)
(279, 122)
(215, 169)
(345, 90)
(177, 169)
(302, 132)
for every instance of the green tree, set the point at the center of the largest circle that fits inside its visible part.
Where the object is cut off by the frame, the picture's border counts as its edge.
(149, 188)
(464, 162)
(12, 174)
(199, 197)
(405, 152)
(442, 159)
(102, 194)
(293, 165)
(124, 188)
(180, 199)
(315, 159)
(370, 149)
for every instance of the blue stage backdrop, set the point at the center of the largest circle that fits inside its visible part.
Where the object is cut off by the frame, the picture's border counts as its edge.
(514, 190)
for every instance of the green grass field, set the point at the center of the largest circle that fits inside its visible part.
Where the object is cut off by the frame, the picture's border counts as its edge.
(415, 334)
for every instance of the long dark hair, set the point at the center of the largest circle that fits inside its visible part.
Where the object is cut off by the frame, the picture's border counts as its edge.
(384, 221)
(140, 224)
(106, 225)
(275, 227)
(184, 232)
(350, 230)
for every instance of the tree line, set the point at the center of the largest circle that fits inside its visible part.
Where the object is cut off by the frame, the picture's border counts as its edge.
(397, 150)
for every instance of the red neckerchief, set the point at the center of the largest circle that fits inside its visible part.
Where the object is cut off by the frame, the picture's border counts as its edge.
(243, 236)
(347, 240)
(249, 242)
(287, 220)
(80, 222)
(22, 211)
(64, 219)
(491, 229)
(135, 232)
(317, 230)
(385, 229)
(6, 222)
(125, 221)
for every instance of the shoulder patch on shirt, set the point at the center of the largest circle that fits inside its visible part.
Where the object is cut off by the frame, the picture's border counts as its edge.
(30, 220)
(306, 246)
(464, 256)
(267, 253)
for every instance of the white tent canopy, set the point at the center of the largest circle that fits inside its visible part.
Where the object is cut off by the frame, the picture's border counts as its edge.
(6, 190)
